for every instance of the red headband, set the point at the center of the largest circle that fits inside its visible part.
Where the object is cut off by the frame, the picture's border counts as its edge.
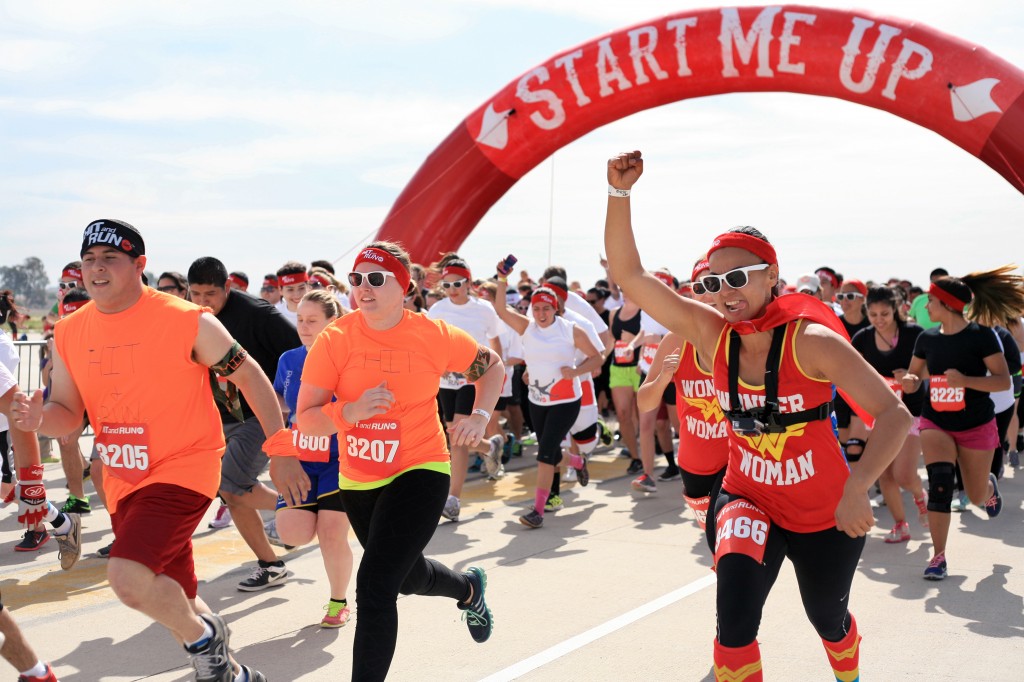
(947, 298)
(831, 278)
(739, 240)
(388, 262)
(321, 280)
(541, 296)
(238, 282)
(561, 293)
(72, 273)
(699, 268)
(665, 278)
(68, 307)
(858, 285)
(456, 270)
(270, 282)
(293, 278)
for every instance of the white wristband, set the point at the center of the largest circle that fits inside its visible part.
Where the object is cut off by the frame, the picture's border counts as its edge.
(483, 413)
(616, 192)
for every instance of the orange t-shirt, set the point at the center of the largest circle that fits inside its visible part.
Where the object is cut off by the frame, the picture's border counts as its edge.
(149, 402)
(349, 357)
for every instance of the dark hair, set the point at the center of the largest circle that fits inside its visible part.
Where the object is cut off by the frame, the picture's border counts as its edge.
(208, 271)
(325, 264)
(554, 271)
(178, 278)
(887, 296)
(7, 305)
(77, 294)
(938, 272)
(292, 267)
(600, 292)
(750, 230)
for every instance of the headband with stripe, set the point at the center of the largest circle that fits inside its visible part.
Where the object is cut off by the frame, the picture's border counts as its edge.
(388, 262)
(739, 240)
(947, 298)
(829, 276)
(321, 280)
(457, 271)
(541, 296)
(68, 307)
(72, 273)
(700, 267)
(238, 282)
(293, 278)
(665, 278)
(270, 282)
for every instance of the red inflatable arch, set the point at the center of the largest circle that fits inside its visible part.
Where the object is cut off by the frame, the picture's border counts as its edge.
(958, 90)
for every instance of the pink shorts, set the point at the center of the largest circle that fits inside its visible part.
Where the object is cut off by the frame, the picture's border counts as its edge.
(984, 437)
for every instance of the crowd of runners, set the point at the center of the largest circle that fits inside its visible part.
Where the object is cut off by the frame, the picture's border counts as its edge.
(369, 398)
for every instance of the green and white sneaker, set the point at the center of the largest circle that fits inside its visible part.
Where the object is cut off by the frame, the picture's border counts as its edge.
(476, 614)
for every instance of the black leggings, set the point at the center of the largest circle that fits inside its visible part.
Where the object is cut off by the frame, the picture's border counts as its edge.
(699, 485)
(1003, 420)
(825, 563)
(5, 449)
(551, 423)
(394, 523)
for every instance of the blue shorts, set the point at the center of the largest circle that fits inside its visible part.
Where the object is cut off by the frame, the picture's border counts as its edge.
(323, 488)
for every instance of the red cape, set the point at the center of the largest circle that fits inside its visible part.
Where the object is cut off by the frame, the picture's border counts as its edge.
(791, 307)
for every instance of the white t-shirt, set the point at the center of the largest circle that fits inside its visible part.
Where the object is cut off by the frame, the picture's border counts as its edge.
(282, 307)
(578, 304)
(9, 361)
(547, 351)
(475, 317)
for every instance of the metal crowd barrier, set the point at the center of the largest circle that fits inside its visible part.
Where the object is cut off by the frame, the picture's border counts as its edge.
(30, 367)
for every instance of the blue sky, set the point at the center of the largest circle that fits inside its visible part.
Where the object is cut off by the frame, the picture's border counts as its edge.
(259, 132)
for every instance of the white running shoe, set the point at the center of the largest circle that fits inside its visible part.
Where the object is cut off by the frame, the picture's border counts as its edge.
(451, 508)
(223, 517)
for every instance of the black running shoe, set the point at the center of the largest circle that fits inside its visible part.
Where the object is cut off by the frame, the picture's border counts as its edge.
(635, 467)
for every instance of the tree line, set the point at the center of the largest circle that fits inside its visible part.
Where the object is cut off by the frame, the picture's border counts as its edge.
(28, 281)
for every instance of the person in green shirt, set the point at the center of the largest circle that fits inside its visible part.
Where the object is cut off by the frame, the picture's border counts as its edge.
(917, 308)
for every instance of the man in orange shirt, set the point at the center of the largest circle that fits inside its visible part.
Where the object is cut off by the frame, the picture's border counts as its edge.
(138, 360)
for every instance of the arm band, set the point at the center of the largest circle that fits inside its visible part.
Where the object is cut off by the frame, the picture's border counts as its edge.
(231, 361)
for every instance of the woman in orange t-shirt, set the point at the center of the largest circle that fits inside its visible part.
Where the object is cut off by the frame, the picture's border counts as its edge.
(384, 363)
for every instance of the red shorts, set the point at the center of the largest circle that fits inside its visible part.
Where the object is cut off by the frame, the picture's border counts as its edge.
(153, 526)
(984, 437)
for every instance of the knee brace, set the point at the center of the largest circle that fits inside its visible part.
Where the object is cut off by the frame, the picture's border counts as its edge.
(586, 440)
(854, 448)
(940, 486)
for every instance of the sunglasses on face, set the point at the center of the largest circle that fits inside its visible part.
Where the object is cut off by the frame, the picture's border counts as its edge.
(375, 279)
(67, 285)
(698, 288)
(168, 288)
(849, 296)
(737, 279)
(457, 283)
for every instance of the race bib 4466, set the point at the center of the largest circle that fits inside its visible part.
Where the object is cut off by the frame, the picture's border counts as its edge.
(124, 450)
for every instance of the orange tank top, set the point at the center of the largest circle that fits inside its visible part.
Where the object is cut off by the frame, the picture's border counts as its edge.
(149, 402)
(703, 428)
(795, 477)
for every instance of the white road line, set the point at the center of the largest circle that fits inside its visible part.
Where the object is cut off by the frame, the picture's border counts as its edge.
(573, 643)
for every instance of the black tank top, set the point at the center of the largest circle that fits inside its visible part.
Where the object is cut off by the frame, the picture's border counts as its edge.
(632, 325)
